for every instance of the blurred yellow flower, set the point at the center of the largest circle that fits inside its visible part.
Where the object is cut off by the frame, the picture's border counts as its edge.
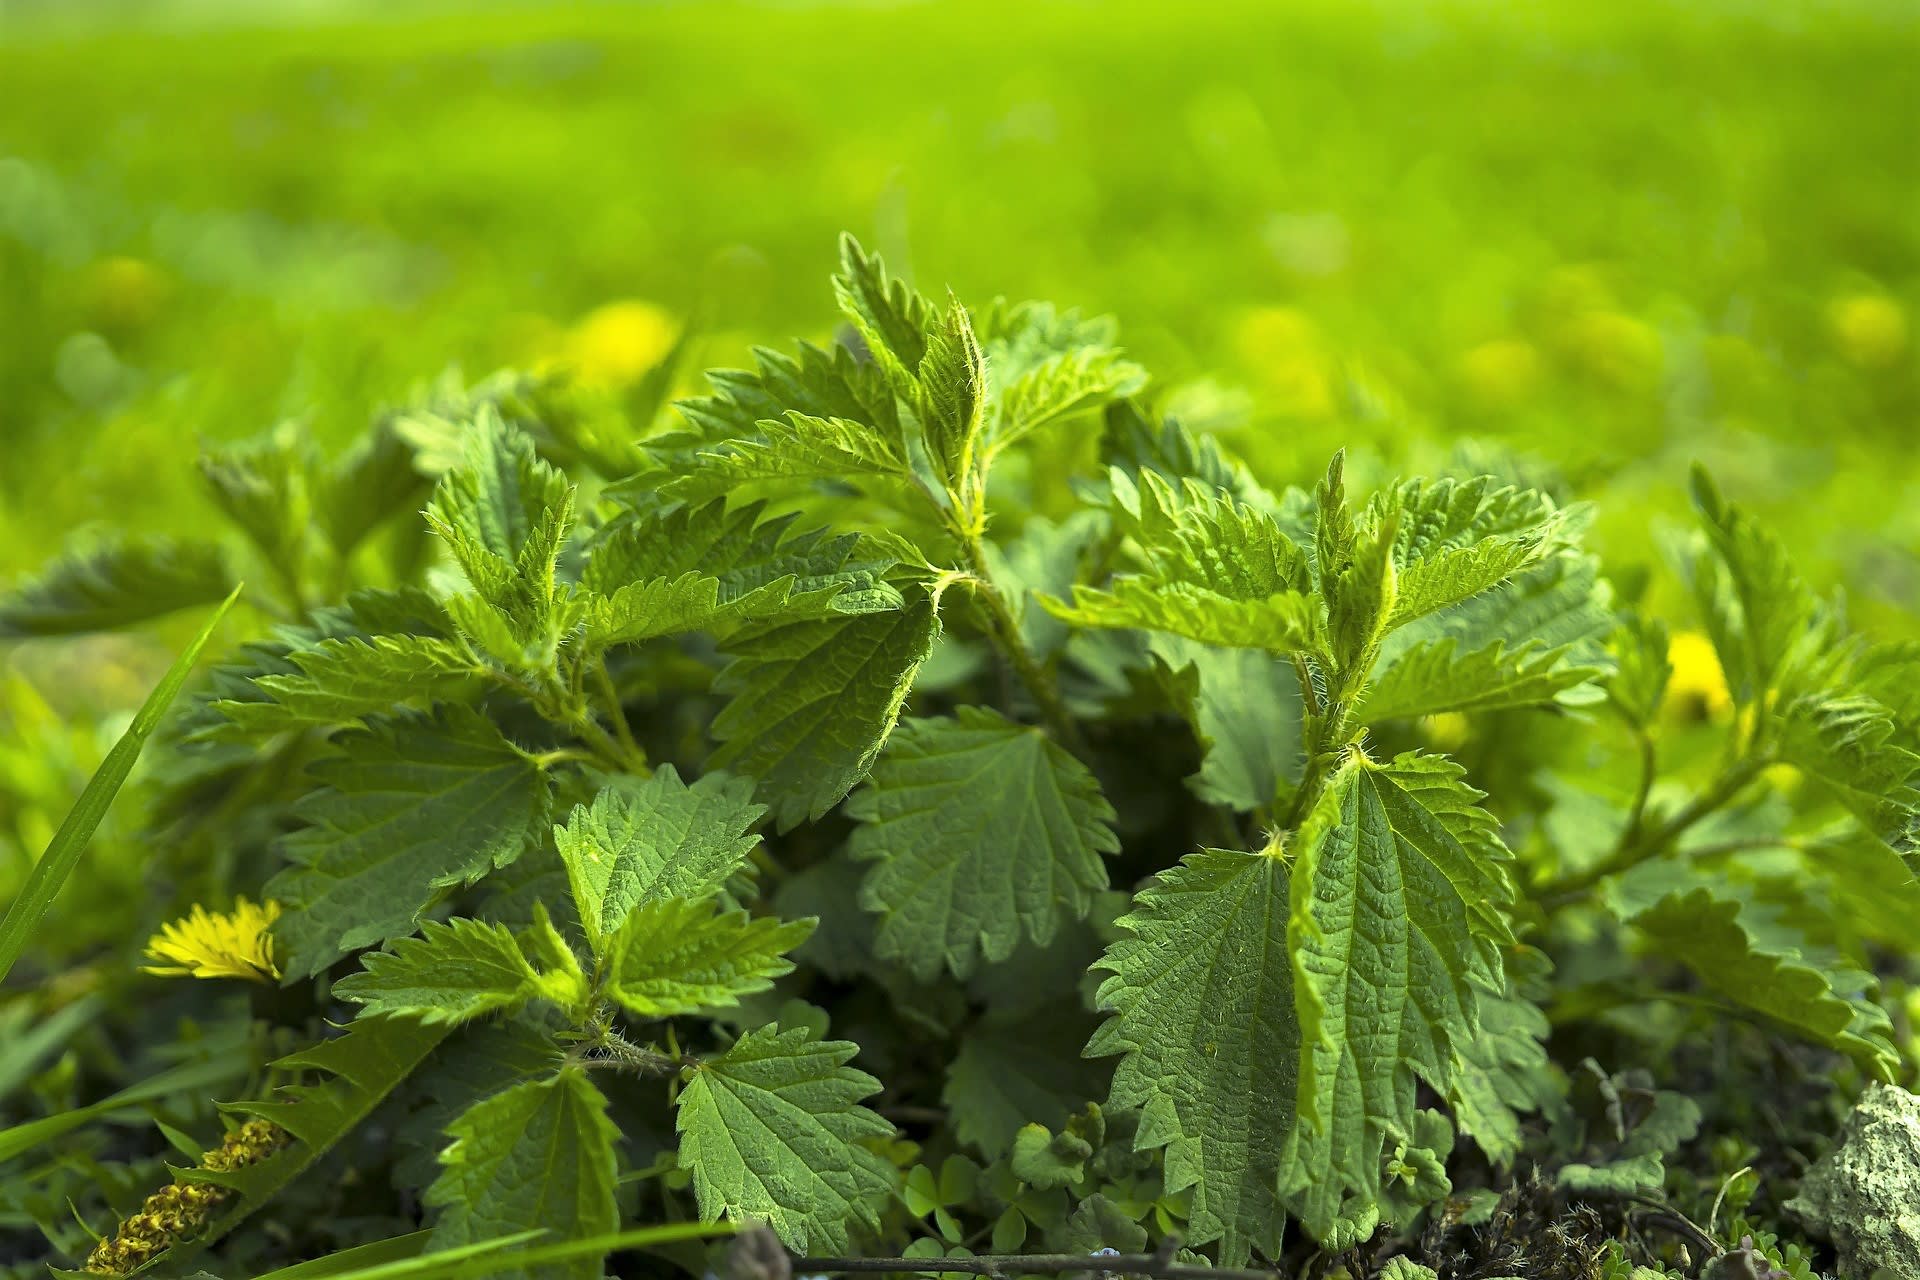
(1697, 689)
(1282, 346)
(1617, 349)
(1448, 731)
(1869, 328)
(124, 293)
(1500, 374)
(207, 944)
(613, 345)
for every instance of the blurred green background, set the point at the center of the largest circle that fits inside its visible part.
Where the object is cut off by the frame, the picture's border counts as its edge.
(1619, 236)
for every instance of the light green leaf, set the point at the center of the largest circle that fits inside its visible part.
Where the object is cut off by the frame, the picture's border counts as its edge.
(265, 486)
(981, 831)
(892, 319)
(796, 447)
(951, 392)
(1131, 443)
(675, 956)
(1747, 953)
(453, 972)
(116, 584)
(1851, 745)
(1434, 677)
(371, 483)
(341, 680)
(503, 513)
(772, 1130)
(1060, 386)
(821, 383)
(1393, 915)
(1763, 617)
(1201, 998)
(539, 1155)
(411, 807)
(653, 840)
(812, 702)
(1456, 539)
(1277, 624)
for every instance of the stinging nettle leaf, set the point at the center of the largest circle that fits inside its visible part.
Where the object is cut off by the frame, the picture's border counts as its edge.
(1393, 917)
(115, 584)
(980, 831)
(1201, 1000)
(951, 392)
(674, 956)
(772, 1131)
(538, 1156)
(410, 807)
(652, 840)
(891, 318)
(812, 703)
(1851, 744)
(1456, 539)
(1246, 710)
(453, 972)
(342, 680)
(1434, 677)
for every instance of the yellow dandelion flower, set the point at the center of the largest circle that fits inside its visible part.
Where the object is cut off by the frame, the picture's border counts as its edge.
(1697, 689)
(1869, 328)
(613, 345)
(208, 944)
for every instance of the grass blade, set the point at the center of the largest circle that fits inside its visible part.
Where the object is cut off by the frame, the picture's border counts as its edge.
(51, 872)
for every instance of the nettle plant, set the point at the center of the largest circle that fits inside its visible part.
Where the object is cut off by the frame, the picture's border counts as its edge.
(1103, 819)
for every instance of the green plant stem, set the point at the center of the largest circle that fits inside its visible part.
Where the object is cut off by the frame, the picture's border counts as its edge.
(603, 680)
(1649, 770)
(1003, 630)
(1636, 848)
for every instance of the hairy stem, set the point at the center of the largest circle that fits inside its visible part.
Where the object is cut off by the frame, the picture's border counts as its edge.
(610, 696)
(1003, 630)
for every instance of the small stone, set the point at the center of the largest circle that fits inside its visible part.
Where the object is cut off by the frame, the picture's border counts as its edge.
(1864, 1195)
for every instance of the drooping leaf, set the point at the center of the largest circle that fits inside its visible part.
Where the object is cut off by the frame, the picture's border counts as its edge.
(1748, 954)
(674, 955)
(981, 831)
(538, 1155)
(116, 584)
(655, 840)
(1201, 1001)
(812, 703)
(411, 807)
(1504, 1071)
(772, 1131)
(1392, 916)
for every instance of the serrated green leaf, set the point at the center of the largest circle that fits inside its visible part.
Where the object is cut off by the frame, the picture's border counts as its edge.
(1760, 611)
(892, 319)
(1392, 916)
(1747, 953)
(453, 972)
(503, 513)
(371, 483)
(265, 486)
(1504, 1071)
(981, 831)
(1456, 539)
(821, 383)
(1850, 744)
(675, 956)
(653, 840)
(712, 566)
(812, 703)
(951, 393)
(411, 807)
(772, 1131)
(1042, 561)
(116, 584)
(539, 1155)
(1201, 1003)
(795, 447)
(1638, 686)
(1246, 710)
(1064, 384)
(1435, 677)
(1008, 1074)
(1130, 441)
(342, 680)
(1277, 624)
